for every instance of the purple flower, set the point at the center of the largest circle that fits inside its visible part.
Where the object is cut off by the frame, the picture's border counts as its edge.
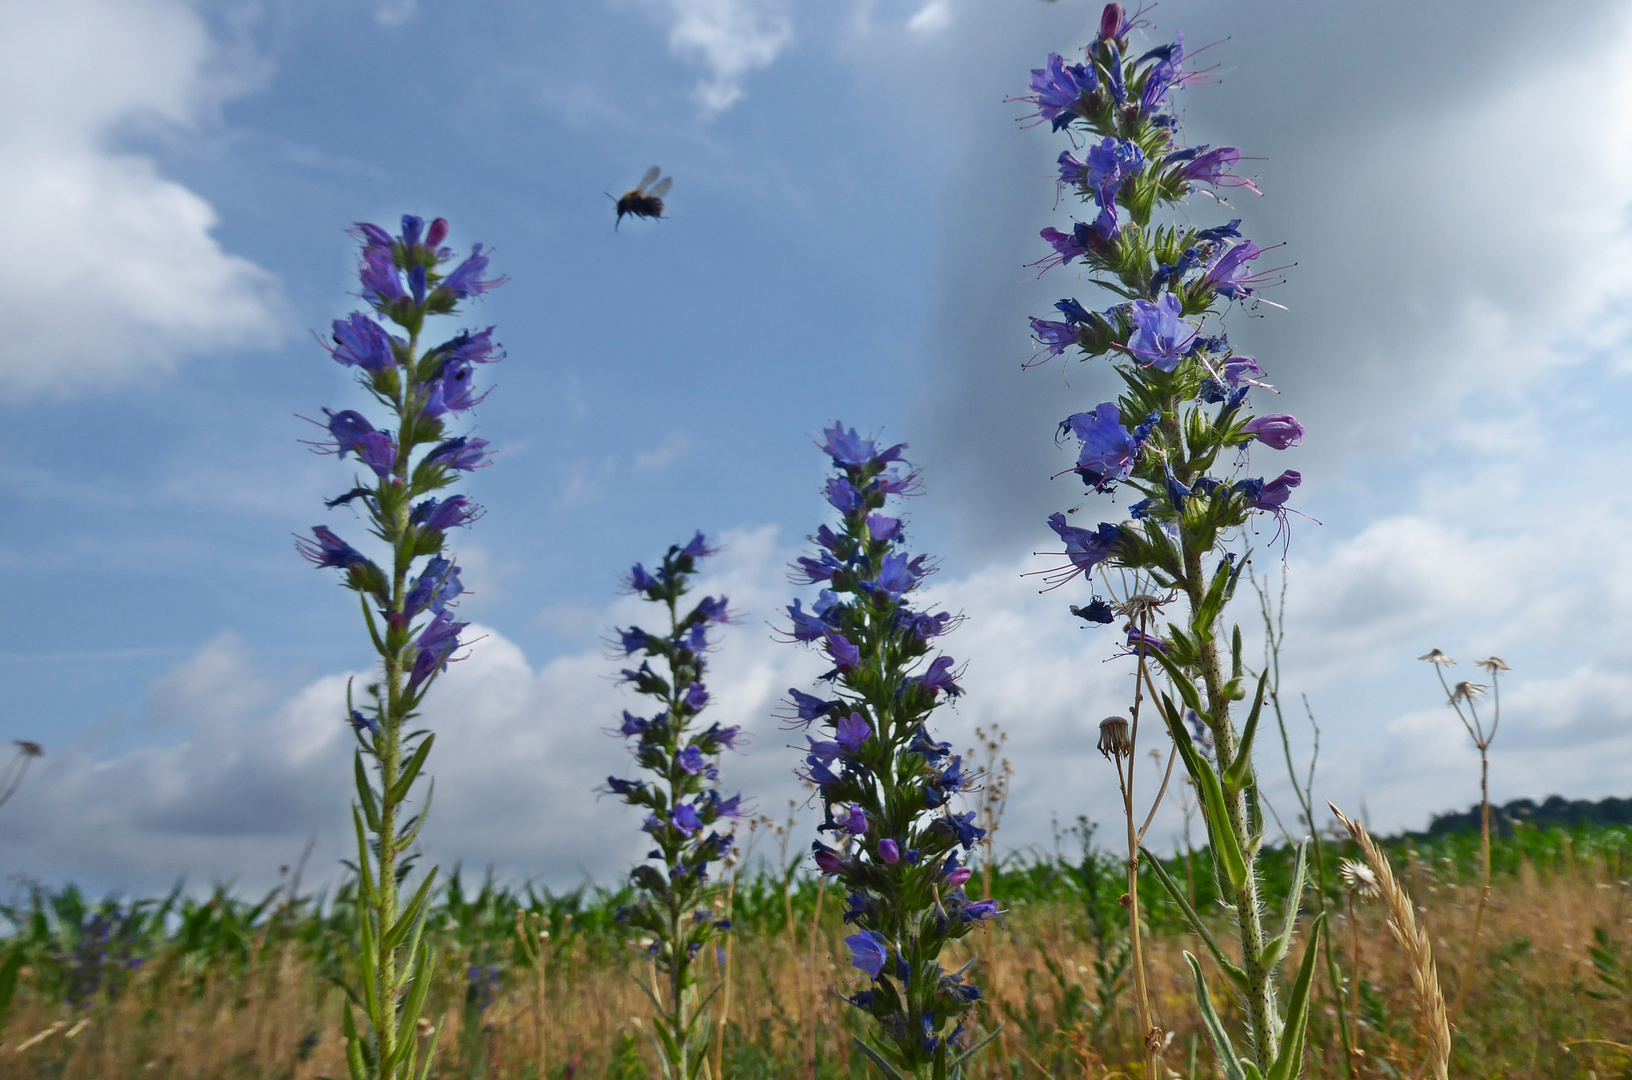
(382, 284)
(327, 549)
(1161, 335)
(697, 637)
(851, 731)
(640, 580)
(1085, 548)
(712, 610)
(633, 725)
(453, 390)
(848, 449)
(806, 626)
(868, 949)
(722, 737)
(1164, 76)
(435, 645)
(361, 723)
(696, 697)
(891, 482)
(895, 575)
(1238, 371)
(845, 498)
(1140, 643)
(441, 515)
(691, 760)
(809, 707)
(1057, 87)
(373, 236)
(1278, 431)
(624, 787)
(1056, 337)
(1110, 164)
(980, 910)
(1113, 23)
(1108, 448)
(883, 529)
(1228, 276)
(1097, 611)
(889, 851)
(1273, 495)
(844, 655)
(437, 585)
(469, 348)
(460, 453)
(1206, 166)
(1067, 246)
(964, 826)
(685, 819)
(437, 233)
(814, 570)
(853, 820)
(940, 677)
(957, 877)
(354, 434)
(361, 342)
(828, 861)
(924, 625)
(466, 279)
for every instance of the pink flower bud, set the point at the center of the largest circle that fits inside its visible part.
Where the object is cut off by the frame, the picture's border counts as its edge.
(957, 877)
(438, 232)
(1110, 22)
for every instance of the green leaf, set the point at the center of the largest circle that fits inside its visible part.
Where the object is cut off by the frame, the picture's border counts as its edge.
(1226, 847)
(8, 978)
(1235, 652)
(410, 829)
(411, 914)
(1276, 950)
(354, 1046)
(410, 772)
(1186, 688)
(1289, 1063)
(1223, 1049)
(365, 794)
(958, 1061)
(1239, 774)
(1236, 975)
(423, 968)
(884, 1066)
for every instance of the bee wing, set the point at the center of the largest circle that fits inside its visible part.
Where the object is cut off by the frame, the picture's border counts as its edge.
(646, 181)
(661, 188)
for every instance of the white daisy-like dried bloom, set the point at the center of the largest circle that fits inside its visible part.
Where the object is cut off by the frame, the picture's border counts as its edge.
(1493, 664)
(1467, 691)
(1359, 878)
(1436, 657)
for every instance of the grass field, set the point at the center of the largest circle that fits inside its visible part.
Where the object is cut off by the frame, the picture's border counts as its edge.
(223, 987)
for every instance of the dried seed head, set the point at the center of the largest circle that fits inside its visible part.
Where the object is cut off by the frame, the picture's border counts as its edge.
(1142, 604)
(30, 749)
(1359, 878)
(1493, 664)
(1436, 657)
(1114, 740)
(1467, 691)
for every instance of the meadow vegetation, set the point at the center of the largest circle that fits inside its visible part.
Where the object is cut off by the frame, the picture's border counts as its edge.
(536, 984)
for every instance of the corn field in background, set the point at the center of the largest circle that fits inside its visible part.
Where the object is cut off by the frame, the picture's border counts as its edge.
(538, 985)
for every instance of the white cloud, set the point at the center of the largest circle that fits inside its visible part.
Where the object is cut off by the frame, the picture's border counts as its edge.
(115, 273)
(933, 16)
(731, 38)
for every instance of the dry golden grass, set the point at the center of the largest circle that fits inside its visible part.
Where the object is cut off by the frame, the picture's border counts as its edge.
(1528, 1003)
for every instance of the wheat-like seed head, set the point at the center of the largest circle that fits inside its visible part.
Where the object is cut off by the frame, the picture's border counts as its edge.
(1402, 922)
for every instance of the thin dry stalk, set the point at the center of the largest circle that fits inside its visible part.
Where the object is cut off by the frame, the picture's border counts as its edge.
(1402, 923)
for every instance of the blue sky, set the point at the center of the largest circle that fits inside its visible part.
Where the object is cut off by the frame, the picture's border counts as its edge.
(852, 209)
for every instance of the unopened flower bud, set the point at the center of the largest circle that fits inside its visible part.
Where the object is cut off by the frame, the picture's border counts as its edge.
(1110, 22)
(437, 233)
(1114, 740)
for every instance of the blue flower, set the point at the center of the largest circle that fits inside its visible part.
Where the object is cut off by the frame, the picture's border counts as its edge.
(633, 725)
(844, 655)
(466, 279)
(895, 575)
(1097, 611)
(850, 450)
(1205, 166)
(1084, 548)
(853, 820)
(868, 951)
(361, 723)
(640, 580)
(685, 819)
(809, 707)
(360, 341)
(327, 549)
(851, 731)
(1108, 449)
(354, 434)
(1056, 337)
(691, 760)
(1229, 276)
(713, 610)
(1278, 431)
(437, 585)
(382, 283)
(844, 497)
(939, 677)
(696, 697)
(1111, 163)
(1161, 335)
(806, 626)
(436, 644)
(459, 453)
(963, 825)
(441, 515)
(883, 529)
(1057, 88)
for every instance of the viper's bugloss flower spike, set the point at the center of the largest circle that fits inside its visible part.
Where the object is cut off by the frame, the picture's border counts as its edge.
(410, 621)
(692, 826)
(884, 784)
(1185, 400)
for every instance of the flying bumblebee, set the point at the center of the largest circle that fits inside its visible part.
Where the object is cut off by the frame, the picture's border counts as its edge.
(644, 199)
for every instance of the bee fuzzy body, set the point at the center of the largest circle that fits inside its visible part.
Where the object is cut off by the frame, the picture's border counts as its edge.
(645, 200)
